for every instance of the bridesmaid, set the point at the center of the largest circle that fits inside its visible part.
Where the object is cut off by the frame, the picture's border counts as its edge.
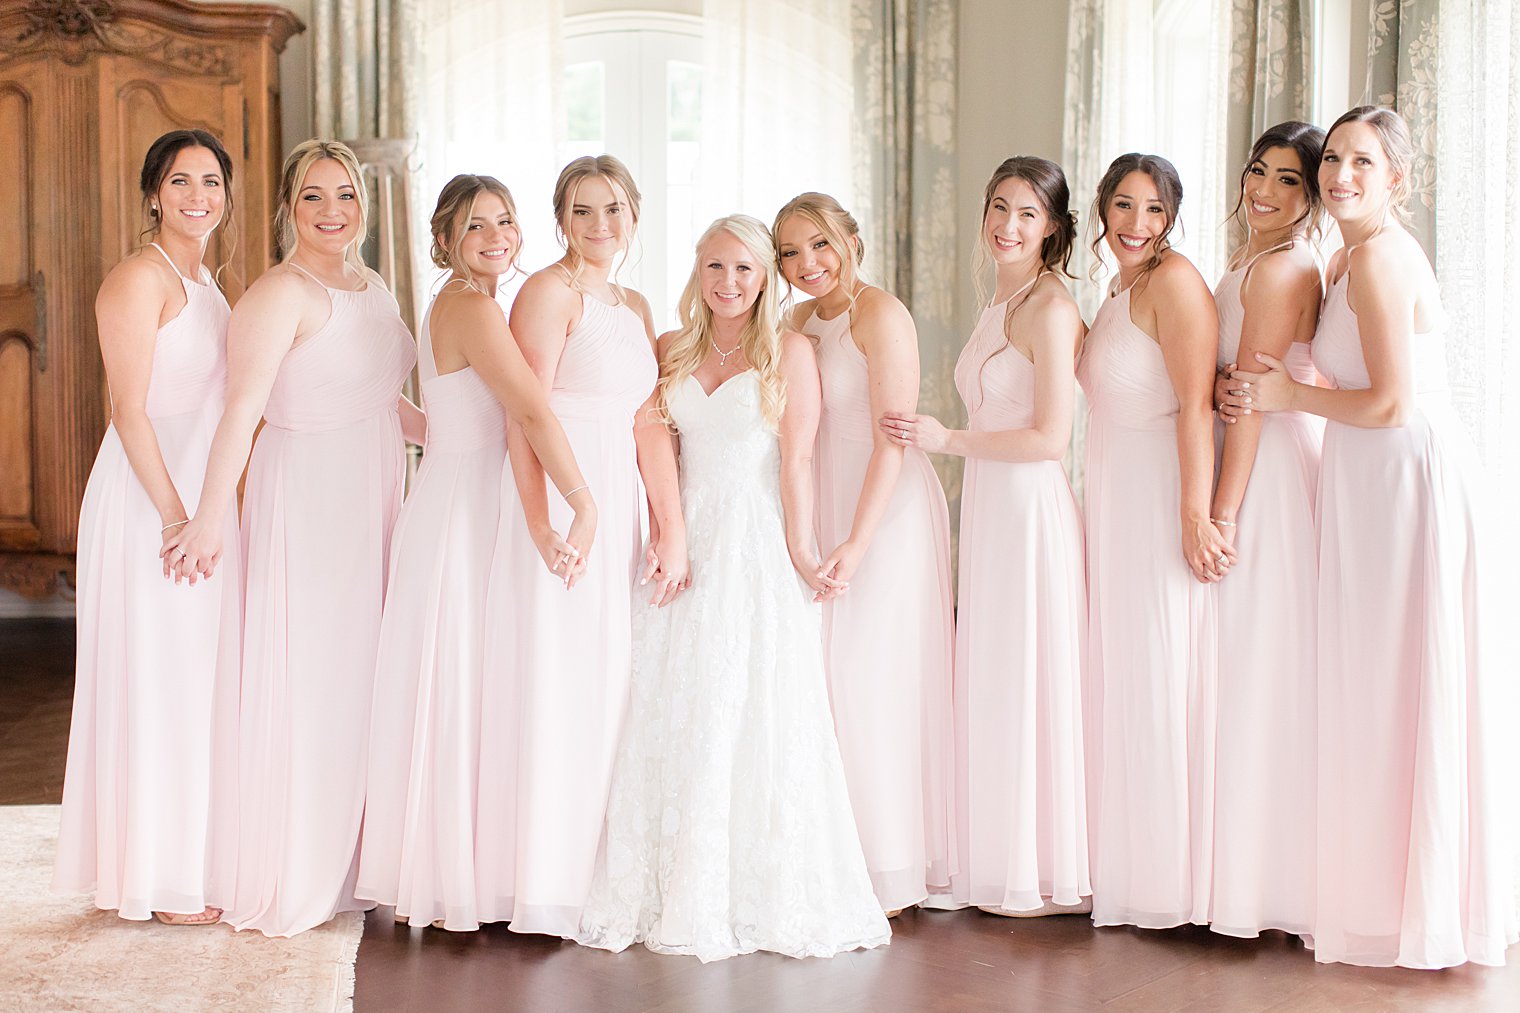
(1415, 864)
(887, 638)
(155, 696)
(1021, 619)
(559, 662)
(419, 819)
(317, 347)
(1268, 301)
(1148, 369)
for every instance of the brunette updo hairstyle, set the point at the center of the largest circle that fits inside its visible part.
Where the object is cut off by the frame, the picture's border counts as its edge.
(1168, 187)
(1307, 142)
(1393, 133)
(1048, 182)
(456, 202)
(157, 164)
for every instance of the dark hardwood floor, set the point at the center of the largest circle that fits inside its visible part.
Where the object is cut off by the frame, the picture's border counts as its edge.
(962, 961)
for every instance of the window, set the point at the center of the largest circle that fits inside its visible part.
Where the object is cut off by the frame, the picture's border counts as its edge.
(633, 88)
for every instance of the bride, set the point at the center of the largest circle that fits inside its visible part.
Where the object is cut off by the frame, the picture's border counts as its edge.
(729, 828)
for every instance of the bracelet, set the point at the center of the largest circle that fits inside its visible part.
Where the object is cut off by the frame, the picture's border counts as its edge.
(577, 489)
(1224, 524)
(176, 524)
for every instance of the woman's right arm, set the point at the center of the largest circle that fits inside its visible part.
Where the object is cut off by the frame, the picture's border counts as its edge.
(127, 312)
(798, 435)
(488, 346)
(541, 320)
(1275, 299)
(263, 328)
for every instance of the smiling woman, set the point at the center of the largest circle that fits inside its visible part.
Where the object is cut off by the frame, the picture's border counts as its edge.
(318, 349)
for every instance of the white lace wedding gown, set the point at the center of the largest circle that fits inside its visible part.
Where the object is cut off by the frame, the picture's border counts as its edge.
(729, 827)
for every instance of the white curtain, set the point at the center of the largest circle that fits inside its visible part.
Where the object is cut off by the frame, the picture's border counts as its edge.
(491, 104)
(776, 104)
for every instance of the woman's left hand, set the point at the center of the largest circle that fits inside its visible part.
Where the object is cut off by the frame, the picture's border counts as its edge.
(1271, 391)
(1208, 553)
(922, 431)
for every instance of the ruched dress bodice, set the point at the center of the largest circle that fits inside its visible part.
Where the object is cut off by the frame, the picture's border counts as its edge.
(350, 370)
(1124, 373)
(1338, 351)
(606, 369)
(190, 354)
(462, 412)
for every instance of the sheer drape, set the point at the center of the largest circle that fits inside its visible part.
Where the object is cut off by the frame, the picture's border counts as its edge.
(492, 104)
(776, 100)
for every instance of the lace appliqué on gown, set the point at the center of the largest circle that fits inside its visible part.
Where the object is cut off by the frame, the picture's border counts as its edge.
(729, 828)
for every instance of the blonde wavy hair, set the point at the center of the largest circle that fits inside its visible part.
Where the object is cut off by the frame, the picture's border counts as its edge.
(836, 225)
(293, 177)
(760, 337)
(571, 177)
(456, 204)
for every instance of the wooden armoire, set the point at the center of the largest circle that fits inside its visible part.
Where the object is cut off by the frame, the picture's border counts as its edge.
(85, 87)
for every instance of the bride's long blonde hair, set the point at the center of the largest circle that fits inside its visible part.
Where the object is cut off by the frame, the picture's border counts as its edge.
(760, 337)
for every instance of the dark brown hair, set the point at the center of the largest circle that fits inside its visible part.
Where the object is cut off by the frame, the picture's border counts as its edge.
(1168, 188)
(158, 163)
(1048, 182)
(1307, 142)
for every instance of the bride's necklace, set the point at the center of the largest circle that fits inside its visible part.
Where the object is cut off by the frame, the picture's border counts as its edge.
(723, 356)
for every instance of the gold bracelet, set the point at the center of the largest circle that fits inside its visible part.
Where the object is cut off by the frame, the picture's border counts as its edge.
(1224, 524)
(176, 524)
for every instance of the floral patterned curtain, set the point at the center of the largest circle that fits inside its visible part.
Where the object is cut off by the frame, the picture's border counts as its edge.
(361, 55)
(1269, 79)
(1402, 64)
(904, 140)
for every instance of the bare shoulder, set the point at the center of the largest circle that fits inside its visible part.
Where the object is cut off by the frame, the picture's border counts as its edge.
(663, 343)
(372, 277)
(1283, 272)
(636, 301)
(797, 348)
(281, 282)
(137, 280)
(468, 305)
(548, 285)
(877, 306)
(1177, 272)
(1052, 314)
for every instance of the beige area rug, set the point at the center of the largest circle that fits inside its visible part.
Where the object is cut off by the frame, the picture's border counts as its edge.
(60, 953)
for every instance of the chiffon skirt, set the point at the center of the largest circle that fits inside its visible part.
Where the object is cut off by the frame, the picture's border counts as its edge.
(317, 516)
(152, 743)
(1150, 687)
(418, 850)
(1264, 765)
(888, 650)
(1021, 626)
(1415, 856)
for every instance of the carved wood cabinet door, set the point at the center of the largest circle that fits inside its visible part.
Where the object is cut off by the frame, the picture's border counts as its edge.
(85, 88)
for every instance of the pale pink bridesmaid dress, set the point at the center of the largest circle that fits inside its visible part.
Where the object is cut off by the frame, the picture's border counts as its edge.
(152, 745)
(323, 489)
(1151, 645)
(1415, 863)
(1020, 638)
(418, 850)
(1264, 759)
(558, 662)
(888, 642)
